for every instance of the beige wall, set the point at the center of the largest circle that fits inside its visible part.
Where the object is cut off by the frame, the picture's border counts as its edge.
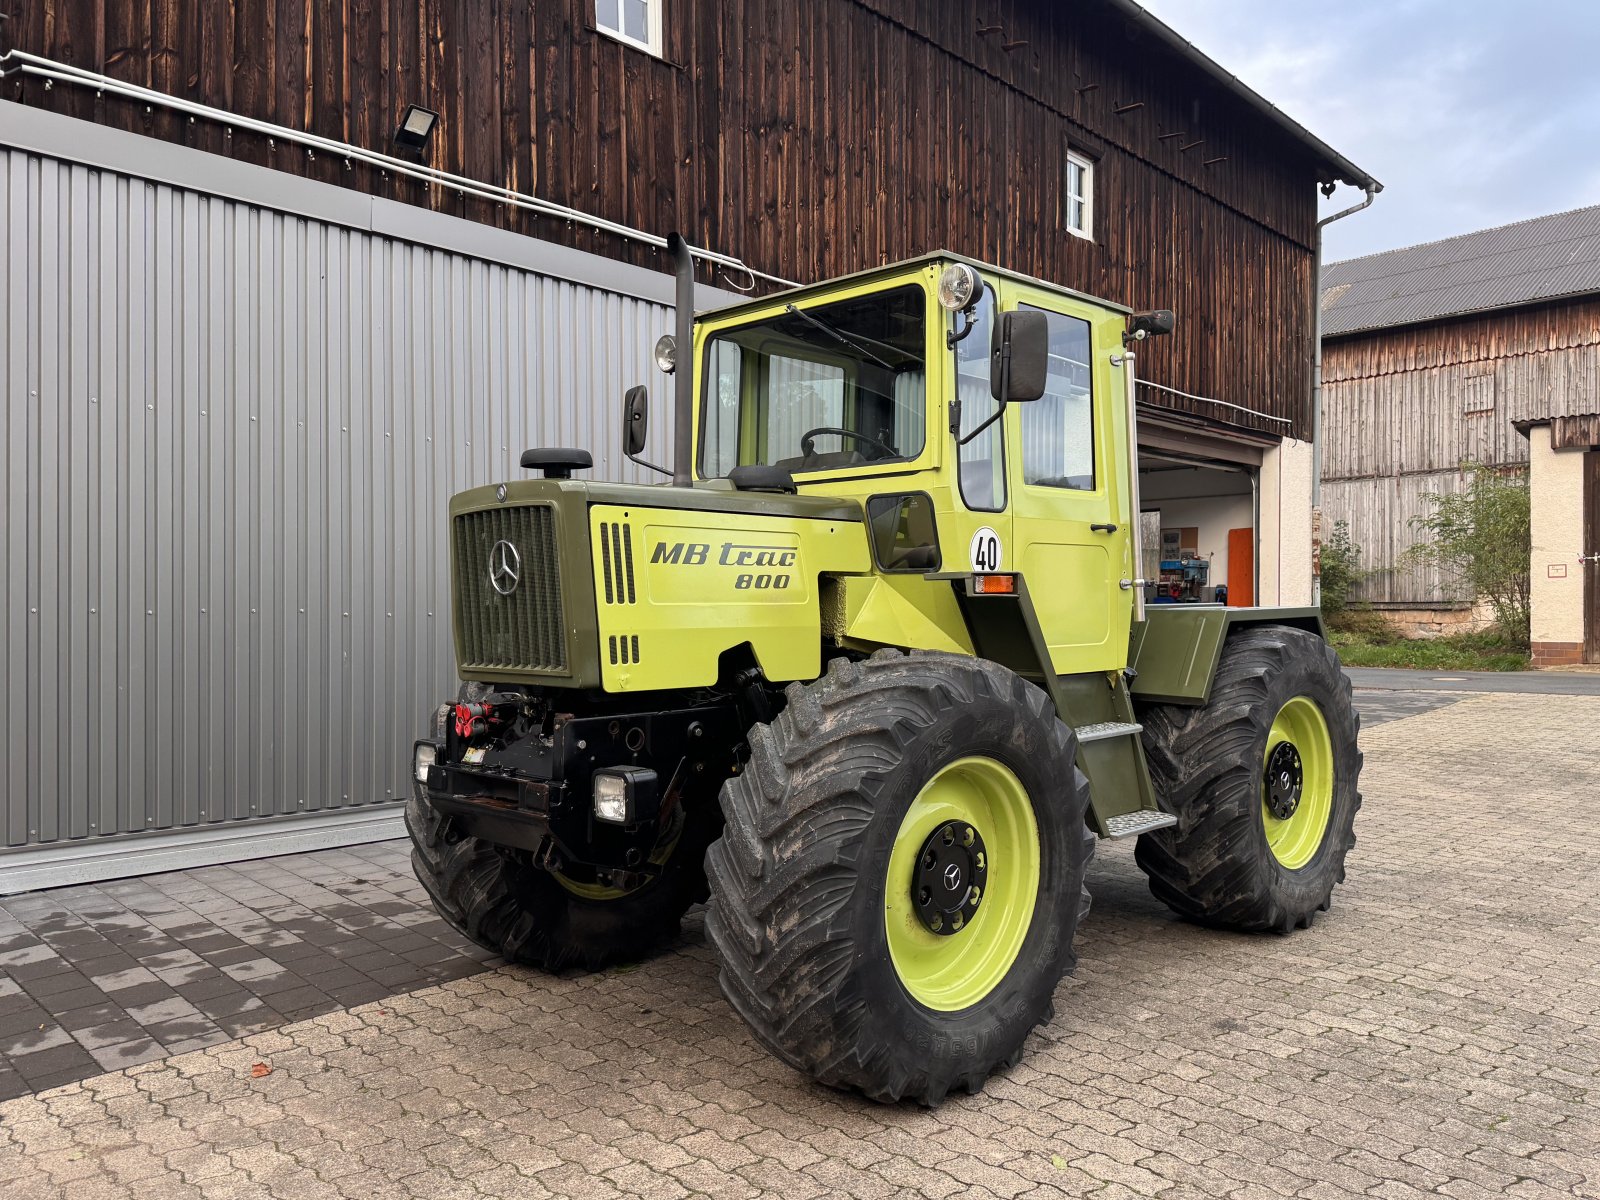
(1557, 502)
(1286, 524)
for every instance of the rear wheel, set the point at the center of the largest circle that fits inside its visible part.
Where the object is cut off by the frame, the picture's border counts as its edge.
(896, 891)
(1263, 779)
(503, 900)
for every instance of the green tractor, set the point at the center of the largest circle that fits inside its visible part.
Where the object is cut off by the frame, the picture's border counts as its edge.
(870, 674)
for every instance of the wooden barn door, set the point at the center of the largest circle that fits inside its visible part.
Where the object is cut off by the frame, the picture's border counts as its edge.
(1591, 550)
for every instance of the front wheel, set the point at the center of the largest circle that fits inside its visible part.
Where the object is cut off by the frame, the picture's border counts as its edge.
(1263, 780)
(895, 894)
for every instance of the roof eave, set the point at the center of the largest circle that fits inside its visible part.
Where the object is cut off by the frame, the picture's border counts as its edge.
(1489, 310)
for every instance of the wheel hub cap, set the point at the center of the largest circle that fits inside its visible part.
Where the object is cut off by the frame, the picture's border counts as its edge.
(947, 887)
(1285, 780)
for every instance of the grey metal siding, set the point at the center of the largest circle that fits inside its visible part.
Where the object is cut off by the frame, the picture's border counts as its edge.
(230, 434)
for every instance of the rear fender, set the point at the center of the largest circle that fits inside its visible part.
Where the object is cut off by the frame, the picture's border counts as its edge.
(1176, 648)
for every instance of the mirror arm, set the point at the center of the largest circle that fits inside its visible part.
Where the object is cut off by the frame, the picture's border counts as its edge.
(998, 413)
(651, 465)
(1005, 388)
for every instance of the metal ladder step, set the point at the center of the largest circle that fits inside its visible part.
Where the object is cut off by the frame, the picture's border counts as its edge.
(1106, 729)
(1131, 824)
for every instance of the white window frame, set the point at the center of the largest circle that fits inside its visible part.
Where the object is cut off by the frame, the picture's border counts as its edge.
(653, 18)
(1074, 159)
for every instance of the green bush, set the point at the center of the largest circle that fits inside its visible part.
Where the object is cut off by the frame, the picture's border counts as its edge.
(1481, 539)
(1363, 624)
(1341, 569)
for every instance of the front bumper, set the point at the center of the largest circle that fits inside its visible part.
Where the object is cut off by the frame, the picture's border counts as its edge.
(533, 792)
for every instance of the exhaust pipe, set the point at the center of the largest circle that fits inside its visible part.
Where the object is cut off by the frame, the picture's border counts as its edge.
(683, 376)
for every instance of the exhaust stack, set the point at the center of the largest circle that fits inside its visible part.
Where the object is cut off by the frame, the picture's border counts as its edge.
(683, 376)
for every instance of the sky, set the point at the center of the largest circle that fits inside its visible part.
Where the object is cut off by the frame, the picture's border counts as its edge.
(1471, 113)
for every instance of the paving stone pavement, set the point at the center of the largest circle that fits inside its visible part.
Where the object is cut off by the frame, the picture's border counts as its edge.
(105, 976)
(1438, 1033)
(110, 975)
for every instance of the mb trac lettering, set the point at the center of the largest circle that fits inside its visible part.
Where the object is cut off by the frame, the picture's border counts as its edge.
(732, 554)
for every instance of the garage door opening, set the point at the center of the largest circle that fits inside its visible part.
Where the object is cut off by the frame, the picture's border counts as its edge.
(1199, 525)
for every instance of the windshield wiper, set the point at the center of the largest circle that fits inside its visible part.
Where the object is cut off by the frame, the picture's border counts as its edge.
(836, 335)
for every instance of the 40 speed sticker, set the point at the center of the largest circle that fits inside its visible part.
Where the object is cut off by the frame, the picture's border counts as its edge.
(985, 551)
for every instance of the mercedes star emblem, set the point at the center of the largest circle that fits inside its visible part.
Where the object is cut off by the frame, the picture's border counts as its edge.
(505, 566)
(952, 877)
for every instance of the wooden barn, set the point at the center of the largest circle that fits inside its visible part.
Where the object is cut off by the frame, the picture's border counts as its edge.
(430, 231)
(1483, 349)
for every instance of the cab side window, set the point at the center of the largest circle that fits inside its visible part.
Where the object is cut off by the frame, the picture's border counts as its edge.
(1058, 428)
(982, 470)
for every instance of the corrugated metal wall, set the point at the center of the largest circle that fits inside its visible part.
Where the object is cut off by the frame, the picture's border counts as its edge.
(230, 435)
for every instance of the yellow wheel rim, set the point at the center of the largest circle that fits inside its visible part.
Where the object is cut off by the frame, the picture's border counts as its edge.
(951, 971)
(1297, 782)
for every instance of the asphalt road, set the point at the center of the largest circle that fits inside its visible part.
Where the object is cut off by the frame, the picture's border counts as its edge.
(1543, 683)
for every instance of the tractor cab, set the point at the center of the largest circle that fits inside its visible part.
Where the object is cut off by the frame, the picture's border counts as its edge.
(979, 417)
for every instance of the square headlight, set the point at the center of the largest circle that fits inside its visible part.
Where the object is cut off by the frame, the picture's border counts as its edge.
(625, 795)
(422, 757)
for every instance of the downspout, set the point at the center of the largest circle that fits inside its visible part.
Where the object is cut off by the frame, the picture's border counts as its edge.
(1372, 189)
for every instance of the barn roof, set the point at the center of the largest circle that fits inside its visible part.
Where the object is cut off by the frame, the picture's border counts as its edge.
(1547, 258)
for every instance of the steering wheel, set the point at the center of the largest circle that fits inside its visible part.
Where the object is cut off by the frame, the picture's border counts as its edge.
(808, 442)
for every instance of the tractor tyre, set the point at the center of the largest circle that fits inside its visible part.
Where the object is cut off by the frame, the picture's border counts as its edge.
(900, 875)
(1263, 780)
(507, 903)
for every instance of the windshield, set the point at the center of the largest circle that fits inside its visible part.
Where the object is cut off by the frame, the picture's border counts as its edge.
(819, 388)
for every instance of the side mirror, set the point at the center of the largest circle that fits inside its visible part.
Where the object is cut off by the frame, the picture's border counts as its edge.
(635, 419)
(1019, 356)
(636, 424)
(1155, 323)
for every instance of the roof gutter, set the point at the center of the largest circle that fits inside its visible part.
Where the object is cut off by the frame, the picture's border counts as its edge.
(1339, 167)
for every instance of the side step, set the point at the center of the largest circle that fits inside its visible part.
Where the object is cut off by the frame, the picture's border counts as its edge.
(1106, 729)
(1134, 823)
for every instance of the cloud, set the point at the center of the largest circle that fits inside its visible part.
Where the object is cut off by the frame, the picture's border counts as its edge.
(1472, 113)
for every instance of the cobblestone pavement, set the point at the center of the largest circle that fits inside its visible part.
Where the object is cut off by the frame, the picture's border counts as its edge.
(1437, 1033)
(110, 975)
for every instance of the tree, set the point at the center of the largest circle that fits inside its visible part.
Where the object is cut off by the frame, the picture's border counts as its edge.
(1481, 539)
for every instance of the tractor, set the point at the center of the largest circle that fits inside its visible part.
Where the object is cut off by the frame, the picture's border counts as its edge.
(868, 674)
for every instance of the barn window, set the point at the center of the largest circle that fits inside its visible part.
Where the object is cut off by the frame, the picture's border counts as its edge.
(636, 22)
(1080, 195)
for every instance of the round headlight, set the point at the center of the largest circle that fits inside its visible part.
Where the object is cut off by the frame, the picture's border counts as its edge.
(667, 353)
(959, 287)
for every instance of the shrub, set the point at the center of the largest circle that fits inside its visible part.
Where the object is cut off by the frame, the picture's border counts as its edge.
(1481, 539)
(1341, 570)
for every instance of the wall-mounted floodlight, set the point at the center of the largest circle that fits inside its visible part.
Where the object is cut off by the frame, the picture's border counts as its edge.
(416, 127)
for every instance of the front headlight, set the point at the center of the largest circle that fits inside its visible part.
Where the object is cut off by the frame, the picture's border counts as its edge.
(422, 757)
(625, 795)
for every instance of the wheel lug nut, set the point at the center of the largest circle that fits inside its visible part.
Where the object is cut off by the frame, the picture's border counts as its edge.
(924, 897)
(956, 922)
(968, 836)
(937, 922)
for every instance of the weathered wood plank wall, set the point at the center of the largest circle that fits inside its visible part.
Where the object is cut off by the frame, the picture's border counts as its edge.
(809, 139)
(1405, 409)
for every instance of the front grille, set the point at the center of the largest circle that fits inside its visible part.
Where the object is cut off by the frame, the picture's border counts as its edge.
(523, 630)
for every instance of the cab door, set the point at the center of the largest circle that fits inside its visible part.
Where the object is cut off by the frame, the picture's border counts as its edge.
(1068, 488)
